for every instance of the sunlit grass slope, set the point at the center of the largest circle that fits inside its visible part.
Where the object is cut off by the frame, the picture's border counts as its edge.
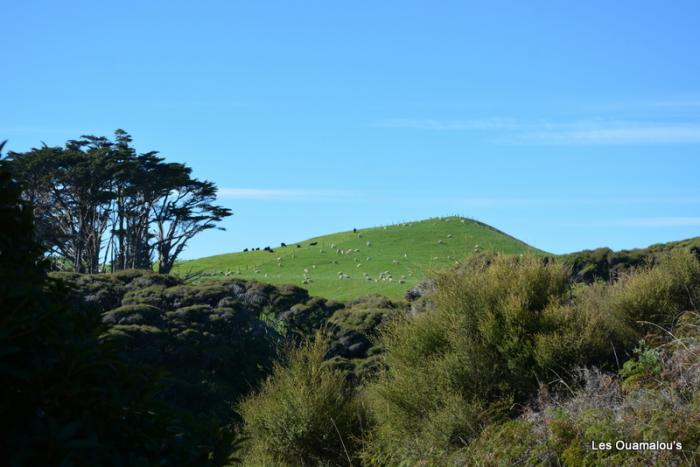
(387, 260)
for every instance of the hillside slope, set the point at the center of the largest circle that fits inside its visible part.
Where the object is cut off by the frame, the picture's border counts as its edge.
(387, 260)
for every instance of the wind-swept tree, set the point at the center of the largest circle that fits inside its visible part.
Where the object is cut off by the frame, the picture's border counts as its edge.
(182, 213)
(98, 199)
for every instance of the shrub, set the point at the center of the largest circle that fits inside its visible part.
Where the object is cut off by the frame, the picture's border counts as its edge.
(304, 414)
(643, 370)
(133, 314)
(451, 369)
(657, 296)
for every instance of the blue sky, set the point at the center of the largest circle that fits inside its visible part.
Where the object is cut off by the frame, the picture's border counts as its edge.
(570, 125)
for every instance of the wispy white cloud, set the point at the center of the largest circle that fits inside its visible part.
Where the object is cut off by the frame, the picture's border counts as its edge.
(579, 132)
(664, 105)
(281, 194)
(523, 202)
(431, 124)
(656, 222)
(611, 133)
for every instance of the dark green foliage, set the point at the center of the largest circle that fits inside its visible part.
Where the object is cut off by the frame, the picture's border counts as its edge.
(67, 397)
(133, 314)
(354, 335)
(216, 340)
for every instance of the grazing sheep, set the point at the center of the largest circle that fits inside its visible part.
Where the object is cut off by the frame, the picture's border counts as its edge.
(298, 246)
(332, 246)
(358, 265)
(322, 250)
(313, 243)
(368, 243)
(440, 242)
(313, 266)
(245, 250)
(283, 245)
(449, 235)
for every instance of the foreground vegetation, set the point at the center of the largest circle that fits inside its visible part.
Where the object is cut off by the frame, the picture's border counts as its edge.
(515, 363)
(498, 360)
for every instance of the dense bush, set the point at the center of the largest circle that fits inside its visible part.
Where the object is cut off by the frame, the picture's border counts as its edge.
(353, 333)
(605, 264)
(501, 328)
(305, 413)
(656, 400)
(67, 397)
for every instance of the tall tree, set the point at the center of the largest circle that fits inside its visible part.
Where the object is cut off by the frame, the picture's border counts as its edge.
(96, 198)
(184, 210)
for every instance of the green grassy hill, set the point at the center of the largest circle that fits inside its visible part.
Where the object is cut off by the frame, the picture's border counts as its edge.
(387, 260)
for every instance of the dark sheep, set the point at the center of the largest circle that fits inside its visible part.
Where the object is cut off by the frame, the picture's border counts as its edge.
(298, 246)
(313, 243)
(245, 250)
(267, 248)
(354, 230)
(283, 245)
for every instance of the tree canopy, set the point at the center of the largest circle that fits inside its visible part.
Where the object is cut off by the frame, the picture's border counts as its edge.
(99, 205)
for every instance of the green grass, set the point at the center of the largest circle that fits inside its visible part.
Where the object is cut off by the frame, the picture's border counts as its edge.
(408, 252)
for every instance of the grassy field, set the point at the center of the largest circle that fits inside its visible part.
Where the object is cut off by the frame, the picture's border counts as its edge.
(387, 260)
